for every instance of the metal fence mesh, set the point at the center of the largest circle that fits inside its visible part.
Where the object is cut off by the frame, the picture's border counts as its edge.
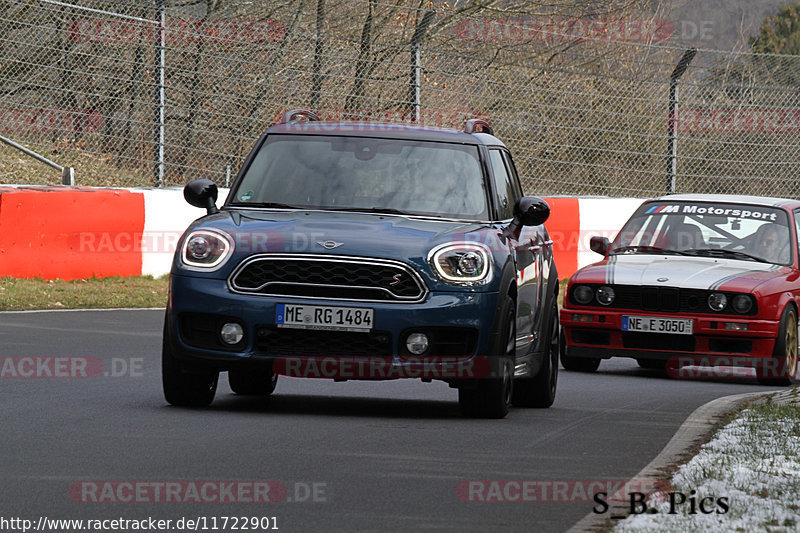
(580, 96)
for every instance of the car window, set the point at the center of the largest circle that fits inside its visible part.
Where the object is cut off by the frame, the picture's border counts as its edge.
(797, 228)
(329, 172)
(748, 232)
(503, 186)
(514, 177)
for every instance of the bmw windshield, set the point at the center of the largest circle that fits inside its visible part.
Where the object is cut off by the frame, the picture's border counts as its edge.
(365, 174)
(744, 232)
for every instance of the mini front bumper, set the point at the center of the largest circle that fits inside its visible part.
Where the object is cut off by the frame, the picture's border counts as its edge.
(599, 334)
(473, 311)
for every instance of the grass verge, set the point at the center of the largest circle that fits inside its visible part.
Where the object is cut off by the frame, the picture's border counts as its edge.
(94, 293)
(747, 477)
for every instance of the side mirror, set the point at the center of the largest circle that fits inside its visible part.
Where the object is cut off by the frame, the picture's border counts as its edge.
(599, 245)
(529, 211)
(202, 193)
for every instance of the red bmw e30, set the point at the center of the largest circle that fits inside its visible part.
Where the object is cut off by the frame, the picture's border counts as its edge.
(705, 280)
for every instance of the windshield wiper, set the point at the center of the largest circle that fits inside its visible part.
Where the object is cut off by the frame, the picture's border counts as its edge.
(388, 210)
(270, 204)
(645, 250)
(725, 252)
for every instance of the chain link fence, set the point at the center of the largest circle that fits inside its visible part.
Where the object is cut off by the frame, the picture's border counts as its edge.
(581, 95)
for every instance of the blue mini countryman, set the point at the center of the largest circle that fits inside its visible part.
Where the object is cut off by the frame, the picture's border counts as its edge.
(367, 251)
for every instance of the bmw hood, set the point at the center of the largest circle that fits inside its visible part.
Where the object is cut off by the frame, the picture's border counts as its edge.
(679, 271)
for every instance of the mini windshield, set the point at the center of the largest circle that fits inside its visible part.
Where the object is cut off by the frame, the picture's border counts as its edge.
(365, 174)
(744, 232)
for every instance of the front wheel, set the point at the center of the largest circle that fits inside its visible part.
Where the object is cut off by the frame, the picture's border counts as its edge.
(540, 390)
(781, 369)
(577, 364)
(183, 388)
(491, 397)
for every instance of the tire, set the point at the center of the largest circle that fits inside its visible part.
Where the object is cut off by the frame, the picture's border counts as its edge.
(652, 364)
(260, 381)
(491, 397)
(540, 390)
(577, 364)
(782, 368)
(182, 388)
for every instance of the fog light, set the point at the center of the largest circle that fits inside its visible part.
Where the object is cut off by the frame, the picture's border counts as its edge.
(417, 343)
(231, 333)
(735, 326)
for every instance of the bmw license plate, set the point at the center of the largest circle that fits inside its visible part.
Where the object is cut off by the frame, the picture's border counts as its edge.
(323, 317)
(656, 324)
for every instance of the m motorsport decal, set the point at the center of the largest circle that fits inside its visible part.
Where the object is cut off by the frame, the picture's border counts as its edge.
(695, 209)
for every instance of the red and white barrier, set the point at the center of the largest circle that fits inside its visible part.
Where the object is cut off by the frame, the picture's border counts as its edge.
(74, 233)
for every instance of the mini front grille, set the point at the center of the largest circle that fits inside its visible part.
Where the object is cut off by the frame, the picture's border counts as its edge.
(329, 277)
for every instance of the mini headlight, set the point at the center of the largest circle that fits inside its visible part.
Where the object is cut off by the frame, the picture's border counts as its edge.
(717, 301)
(742, 303)
(461, 263)
(583, 294)
(605, 295)
(206, 250)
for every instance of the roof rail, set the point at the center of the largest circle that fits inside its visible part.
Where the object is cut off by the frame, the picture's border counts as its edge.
(299, 115)
(478, 125)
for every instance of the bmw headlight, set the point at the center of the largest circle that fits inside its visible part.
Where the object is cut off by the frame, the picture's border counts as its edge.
(206, 250)
(742, 303)
(717, 301)
(461, 263)
(605, 295)
(582, 294)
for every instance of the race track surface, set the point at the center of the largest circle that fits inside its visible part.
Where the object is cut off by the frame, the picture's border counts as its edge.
(387, 456)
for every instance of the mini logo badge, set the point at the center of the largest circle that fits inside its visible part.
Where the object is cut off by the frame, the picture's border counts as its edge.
(330, 245)
(663, 279)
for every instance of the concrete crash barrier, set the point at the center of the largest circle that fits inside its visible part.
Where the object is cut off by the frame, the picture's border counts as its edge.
(82, 232)
(574, 221)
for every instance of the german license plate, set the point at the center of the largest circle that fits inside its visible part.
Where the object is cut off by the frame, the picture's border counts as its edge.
(323, 317)
(656, 324)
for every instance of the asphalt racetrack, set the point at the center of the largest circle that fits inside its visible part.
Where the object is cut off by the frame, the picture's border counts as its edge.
(318, 455)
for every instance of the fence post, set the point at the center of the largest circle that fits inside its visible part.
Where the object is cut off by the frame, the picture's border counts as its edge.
(672, 148)
(416, 68)
(160, 96)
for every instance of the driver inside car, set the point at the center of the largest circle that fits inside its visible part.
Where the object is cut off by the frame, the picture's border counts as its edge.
(771, 243)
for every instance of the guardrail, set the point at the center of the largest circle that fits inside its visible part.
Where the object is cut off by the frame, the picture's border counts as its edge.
(67, 173)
